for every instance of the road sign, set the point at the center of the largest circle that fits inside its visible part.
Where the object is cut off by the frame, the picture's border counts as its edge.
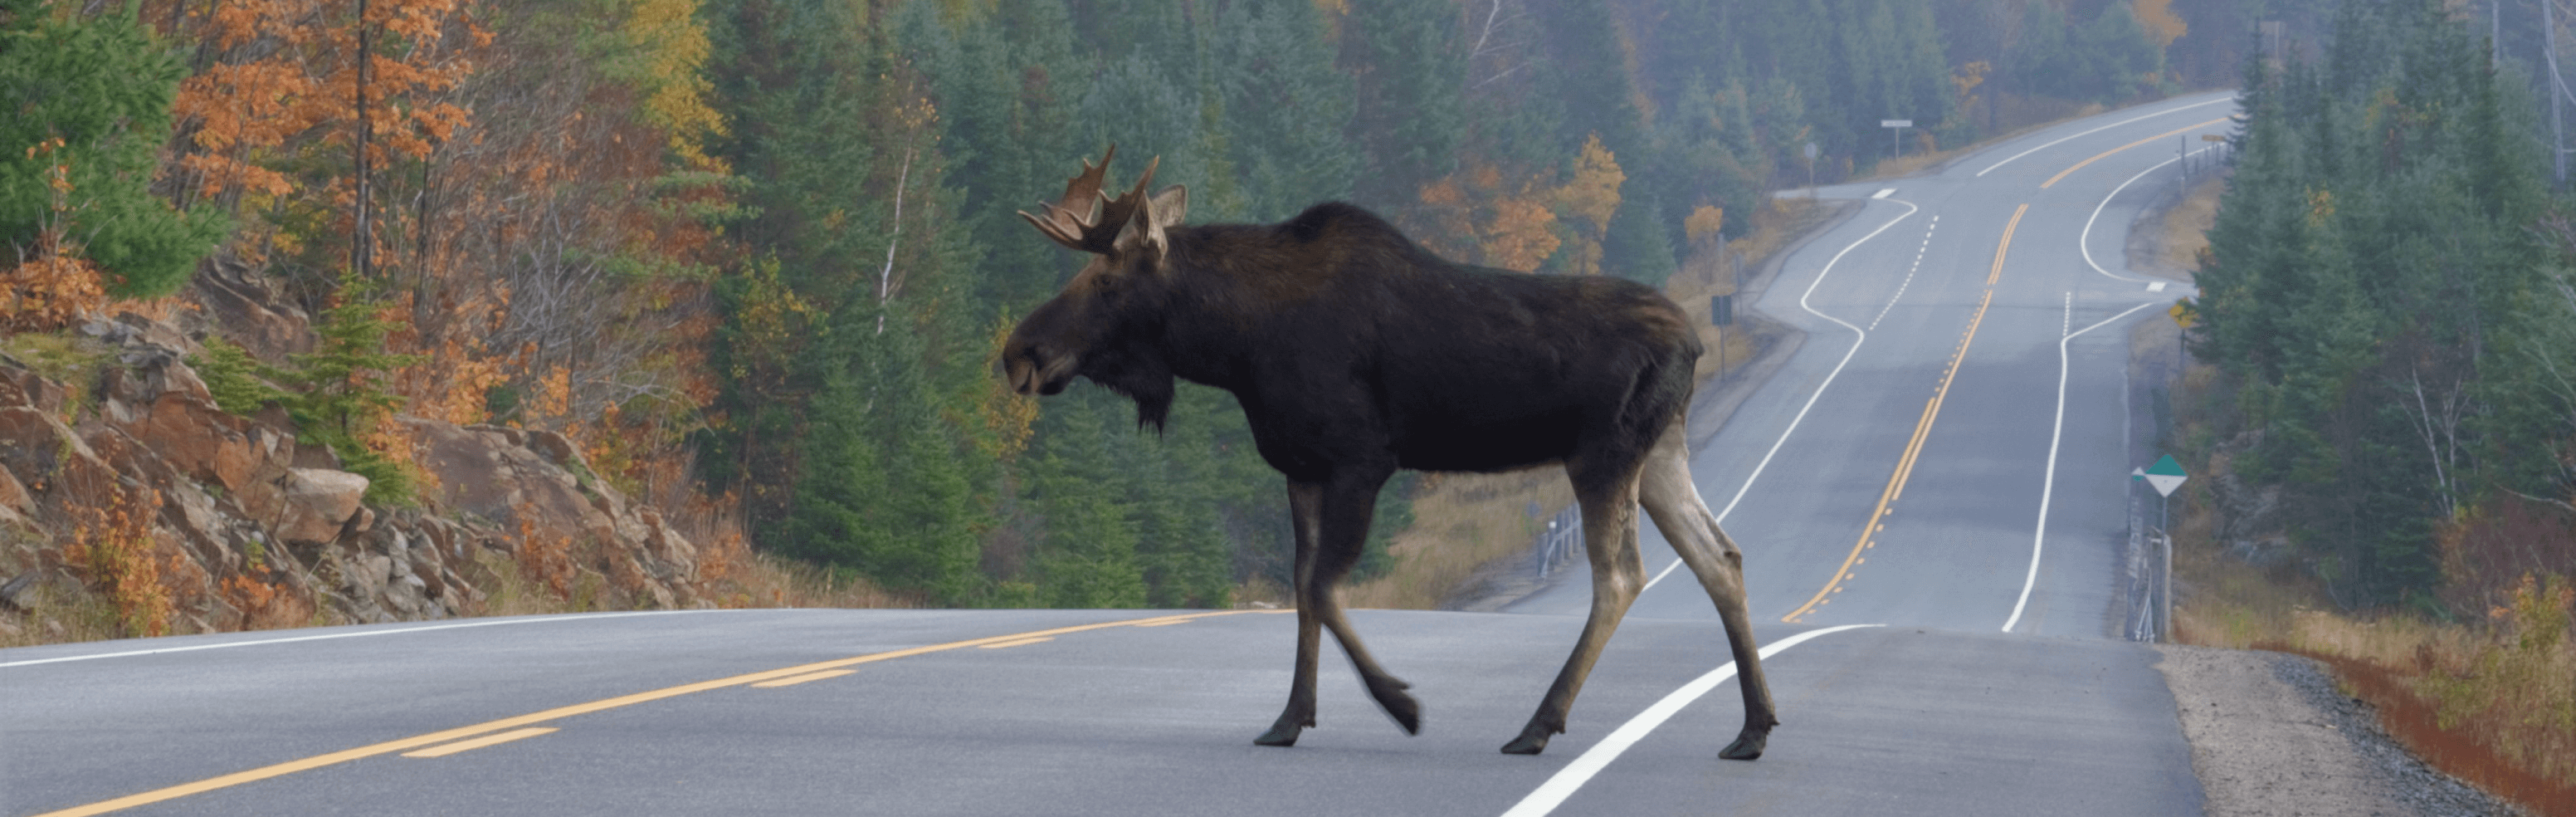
(2165, 475)
(1896, 123)
(2212, 137)
(2183, 315)
(1811, 151)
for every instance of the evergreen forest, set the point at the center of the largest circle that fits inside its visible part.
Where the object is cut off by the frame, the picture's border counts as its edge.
(2387, 295)
(756, 257)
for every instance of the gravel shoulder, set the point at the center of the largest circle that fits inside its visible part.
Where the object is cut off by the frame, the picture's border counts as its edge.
(2271, 735)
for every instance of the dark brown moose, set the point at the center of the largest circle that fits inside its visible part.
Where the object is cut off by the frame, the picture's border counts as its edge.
(1356, 352)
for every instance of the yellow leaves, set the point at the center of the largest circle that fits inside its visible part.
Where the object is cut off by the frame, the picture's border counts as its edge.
(1007, 416)
(1593, 194)
(675, 47)
(2160, 21)
(1970, 76)
(1587, 202)
(2321, 207)
(1521, 234)
(1704, 222)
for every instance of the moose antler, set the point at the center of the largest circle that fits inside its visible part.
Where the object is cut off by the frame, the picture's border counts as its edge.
(1087, 219)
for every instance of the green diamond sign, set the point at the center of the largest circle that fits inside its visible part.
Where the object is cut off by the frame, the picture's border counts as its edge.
(2165, 475)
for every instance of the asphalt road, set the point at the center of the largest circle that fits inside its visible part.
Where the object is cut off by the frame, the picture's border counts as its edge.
(1945, 709)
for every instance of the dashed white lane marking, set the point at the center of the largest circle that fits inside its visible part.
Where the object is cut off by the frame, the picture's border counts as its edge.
(1860, 336)
(1883, 192)
(1909, 273)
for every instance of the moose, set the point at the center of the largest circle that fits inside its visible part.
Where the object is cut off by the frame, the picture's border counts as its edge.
(1355, 352)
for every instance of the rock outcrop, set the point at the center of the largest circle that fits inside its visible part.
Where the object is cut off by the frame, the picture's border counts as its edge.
(248, 528)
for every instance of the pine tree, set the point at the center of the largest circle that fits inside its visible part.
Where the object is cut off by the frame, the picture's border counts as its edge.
(102, 86)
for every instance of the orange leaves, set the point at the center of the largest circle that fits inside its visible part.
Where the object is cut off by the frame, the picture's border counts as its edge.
(1506, 225)
(49, 292)
(113, 549)
(290, 74)
(2160, 21)
(52, 289)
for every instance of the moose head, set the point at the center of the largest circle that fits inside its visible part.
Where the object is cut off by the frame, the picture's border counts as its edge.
(1104, 324)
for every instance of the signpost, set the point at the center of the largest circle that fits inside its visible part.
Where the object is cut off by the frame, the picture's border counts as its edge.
(2164, 476)
(1895, 132)
(1811, 170)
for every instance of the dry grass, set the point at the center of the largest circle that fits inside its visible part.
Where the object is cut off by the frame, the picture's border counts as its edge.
(2491, 702)
(2183, 233)
(1461, 523)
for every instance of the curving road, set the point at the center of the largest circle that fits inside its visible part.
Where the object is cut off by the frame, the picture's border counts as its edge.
(1959, 396)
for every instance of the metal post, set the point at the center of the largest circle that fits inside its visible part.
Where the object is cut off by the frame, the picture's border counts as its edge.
(2557, 91)
(2164, 616)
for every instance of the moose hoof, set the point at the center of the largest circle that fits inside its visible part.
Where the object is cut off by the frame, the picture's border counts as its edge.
(1529, 743)
(1747, 746)
(1283, 733)
(1406, 712)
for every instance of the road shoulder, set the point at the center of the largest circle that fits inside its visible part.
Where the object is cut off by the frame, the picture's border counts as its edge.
(2271, 735)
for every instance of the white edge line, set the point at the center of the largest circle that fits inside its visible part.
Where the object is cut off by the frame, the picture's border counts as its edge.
(1861, 336)
(2049, 481)
(1563, 784)
(2084, 240)
(1991, 168)
(359, 634)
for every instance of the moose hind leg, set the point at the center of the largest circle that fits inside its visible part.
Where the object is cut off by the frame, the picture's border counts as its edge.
(1610, 541)
(1674, 503)
(1304, 499)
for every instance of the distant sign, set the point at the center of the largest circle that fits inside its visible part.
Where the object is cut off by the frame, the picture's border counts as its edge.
(2165, 475)
(2212, 137)
(1896, 123)
(1811, 151)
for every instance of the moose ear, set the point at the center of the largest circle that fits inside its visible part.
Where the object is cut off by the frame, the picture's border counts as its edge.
(1144, 230)
(1170, 206)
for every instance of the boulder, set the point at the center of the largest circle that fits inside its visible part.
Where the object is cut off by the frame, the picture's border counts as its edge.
(317, 504)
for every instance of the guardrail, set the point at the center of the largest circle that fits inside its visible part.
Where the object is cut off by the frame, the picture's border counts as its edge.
(1560, 541)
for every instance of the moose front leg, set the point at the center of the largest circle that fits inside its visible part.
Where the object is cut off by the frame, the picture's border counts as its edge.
(1331, 521)
(1305, 501)
(1610, 541)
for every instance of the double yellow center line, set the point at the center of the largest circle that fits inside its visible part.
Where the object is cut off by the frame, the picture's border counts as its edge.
(1905, 463)
(492, 732)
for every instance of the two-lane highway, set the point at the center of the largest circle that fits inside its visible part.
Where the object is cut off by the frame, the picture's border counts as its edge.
(1961, 379)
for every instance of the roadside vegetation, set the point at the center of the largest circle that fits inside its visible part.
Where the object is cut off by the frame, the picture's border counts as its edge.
(2381, 427)
(753, 257)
